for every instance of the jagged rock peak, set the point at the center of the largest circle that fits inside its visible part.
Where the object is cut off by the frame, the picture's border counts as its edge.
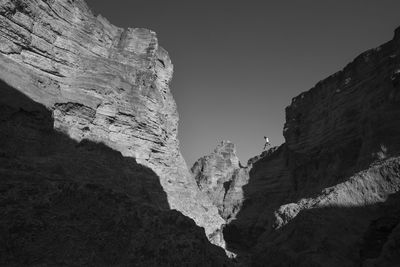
(221, 177)
(219, 165)
(227, 150)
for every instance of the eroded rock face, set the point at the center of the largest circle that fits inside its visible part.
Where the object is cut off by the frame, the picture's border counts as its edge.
(329, 195)
(347, 224)
(69, 203)
(221, 177)
(102, 84)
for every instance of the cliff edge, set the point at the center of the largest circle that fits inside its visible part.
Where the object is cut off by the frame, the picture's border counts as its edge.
(86, 102)
(329, 196)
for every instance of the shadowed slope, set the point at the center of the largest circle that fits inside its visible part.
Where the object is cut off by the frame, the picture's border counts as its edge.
(328, 195)
(81, 203)
(105, 84)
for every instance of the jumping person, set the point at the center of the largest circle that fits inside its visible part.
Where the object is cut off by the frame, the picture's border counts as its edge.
(267, 143)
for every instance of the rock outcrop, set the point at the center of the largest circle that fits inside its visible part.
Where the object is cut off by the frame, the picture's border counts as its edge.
(88, 117)
(91, 172)
(221, 177)
(342, 171)
(329, 195)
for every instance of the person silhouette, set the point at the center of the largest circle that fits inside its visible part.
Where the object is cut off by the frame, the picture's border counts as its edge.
(267, 143)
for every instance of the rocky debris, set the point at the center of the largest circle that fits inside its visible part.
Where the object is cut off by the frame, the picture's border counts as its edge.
(329, 195)
(103, 84)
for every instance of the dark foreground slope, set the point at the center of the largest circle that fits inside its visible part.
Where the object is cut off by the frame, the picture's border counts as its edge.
(68, 203)
(329, 196)
(90, 168)
(104, 84)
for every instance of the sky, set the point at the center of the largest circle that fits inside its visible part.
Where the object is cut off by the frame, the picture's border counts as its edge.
(238, 64)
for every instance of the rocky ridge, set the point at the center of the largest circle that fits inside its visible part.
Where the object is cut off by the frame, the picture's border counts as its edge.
(102, 85)
(329, 195)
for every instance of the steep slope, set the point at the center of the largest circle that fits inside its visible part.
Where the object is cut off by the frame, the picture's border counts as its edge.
(338, 225)
(69, 203)
(103, 85)
(329, 195)
(328, 191)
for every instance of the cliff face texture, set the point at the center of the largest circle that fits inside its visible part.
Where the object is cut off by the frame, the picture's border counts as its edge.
(329, 196)
(89, 143)
(221, 177)
(342, 161)
(91, 172)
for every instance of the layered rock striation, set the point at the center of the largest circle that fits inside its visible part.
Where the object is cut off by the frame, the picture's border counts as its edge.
(329, 195)
(342, 162)
(92, 82)
(221, 176)
(69, 203)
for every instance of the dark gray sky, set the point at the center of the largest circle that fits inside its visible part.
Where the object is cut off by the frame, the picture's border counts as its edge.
(239, 63)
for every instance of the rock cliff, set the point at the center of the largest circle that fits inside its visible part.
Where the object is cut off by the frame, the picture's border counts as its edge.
(88, 118)
(221, 177)
(91, 172)
(329, 195)
(342, 168)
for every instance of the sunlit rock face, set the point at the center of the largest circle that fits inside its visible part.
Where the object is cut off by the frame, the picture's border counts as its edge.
(329, 196)
(221, 177)
(102, 84)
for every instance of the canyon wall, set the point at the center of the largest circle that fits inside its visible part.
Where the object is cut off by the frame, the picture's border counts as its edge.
(91, 171)
(329, 195)
(221, 176)
(88, 122)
